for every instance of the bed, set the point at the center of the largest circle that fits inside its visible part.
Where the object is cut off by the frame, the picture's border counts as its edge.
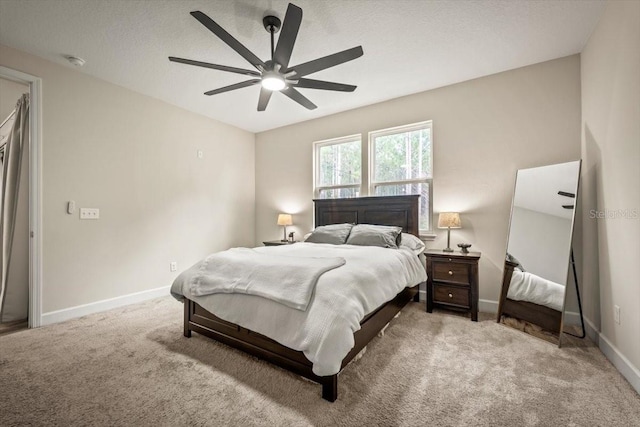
(545, 317)
(399, 211)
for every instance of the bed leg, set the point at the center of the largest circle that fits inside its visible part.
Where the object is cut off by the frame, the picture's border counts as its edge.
(416, 297)
(330, 388)
(187, 306)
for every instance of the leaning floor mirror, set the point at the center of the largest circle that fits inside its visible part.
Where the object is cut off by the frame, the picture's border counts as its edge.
(539, 253)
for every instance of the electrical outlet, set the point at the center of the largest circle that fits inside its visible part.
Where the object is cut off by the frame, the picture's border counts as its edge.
(89, 213)
(173, 266)
(616, 314)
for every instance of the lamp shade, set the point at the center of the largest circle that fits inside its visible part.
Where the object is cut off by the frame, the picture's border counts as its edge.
(284, 219)
(449, 220)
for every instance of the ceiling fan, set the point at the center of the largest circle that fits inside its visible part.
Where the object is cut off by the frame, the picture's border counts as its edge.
(275, 75)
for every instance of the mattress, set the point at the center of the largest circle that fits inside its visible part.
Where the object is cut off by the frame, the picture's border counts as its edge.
(324, 331)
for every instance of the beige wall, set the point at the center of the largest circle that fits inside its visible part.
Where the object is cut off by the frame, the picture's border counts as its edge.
(10, 92)
(611, 179)
(133, 157)
(484, 130)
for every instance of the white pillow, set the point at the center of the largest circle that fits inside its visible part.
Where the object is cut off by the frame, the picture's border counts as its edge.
(411, 242)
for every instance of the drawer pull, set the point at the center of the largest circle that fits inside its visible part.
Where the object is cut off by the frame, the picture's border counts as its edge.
(450, 295)
(450, 273)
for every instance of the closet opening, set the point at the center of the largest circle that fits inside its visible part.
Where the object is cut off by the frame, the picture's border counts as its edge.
(20, 201)
(14, 205)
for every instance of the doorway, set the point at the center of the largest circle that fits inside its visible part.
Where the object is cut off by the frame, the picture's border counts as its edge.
(28, 234)
(14, 284)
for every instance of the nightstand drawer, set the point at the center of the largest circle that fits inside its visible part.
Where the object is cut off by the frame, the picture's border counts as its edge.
(451, 295)
(451, 272)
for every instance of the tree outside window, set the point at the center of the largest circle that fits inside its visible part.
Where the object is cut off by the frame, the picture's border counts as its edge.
(338, 168)
(401, 162)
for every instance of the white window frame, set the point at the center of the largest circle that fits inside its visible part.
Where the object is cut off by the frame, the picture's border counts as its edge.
(372, 184)
(316, 164)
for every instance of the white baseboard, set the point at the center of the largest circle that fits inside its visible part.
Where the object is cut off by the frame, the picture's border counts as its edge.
(621, 363)
(488, 306)
(572, 318)
(592, 332)
(104, 305)
(485, 306)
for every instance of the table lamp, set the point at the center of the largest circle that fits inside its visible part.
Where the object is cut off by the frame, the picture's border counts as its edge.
(449, 220)
(284, 219)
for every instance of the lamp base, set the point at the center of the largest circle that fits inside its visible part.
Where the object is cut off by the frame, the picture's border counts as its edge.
(448, 249)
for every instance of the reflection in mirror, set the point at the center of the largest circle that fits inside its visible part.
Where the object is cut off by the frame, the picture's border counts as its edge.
(539, 245)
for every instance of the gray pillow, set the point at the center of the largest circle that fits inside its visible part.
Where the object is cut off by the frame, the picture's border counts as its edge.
(335, 234)
(374, 235)
(411, 242)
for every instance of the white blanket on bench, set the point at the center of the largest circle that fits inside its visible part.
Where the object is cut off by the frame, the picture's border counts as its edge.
(289, 280)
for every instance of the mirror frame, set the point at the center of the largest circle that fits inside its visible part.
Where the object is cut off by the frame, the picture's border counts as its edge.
(548, 319)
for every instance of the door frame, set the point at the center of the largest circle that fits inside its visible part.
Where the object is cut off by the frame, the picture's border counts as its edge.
(35, 190)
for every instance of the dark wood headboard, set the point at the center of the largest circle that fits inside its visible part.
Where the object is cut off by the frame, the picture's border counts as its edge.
(401, 211)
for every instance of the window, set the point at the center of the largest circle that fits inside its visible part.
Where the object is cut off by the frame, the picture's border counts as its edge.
(400, 162)
(338, 167)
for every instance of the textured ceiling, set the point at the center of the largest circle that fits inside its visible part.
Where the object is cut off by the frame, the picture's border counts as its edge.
(409, 46)
(537, 188)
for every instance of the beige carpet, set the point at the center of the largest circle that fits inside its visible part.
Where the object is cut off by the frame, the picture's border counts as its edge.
(133, 367)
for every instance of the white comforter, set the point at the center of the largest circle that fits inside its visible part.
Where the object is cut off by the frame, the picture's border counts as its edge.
(370, 277)
(526, 286)
(289, 280)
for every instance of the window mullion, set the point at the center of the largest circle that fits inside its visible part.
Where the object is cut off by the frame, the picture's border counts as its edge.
(401, 182)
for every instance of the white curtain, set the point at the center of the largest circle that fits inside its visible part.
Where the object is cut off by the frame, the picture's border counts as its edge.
(12, 161)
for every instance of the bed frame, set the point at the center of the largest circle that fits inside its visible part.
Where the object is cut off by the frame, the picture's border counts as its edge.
(545, 317)
(394, 210)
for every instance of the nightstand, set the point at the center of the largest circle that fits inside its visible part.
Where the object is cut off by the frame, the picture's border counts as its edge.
(277, 243)
(452, 281)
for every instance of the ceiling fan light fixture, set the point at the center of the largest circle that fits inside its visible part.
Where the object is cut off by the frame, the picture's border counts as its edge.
(273, 82)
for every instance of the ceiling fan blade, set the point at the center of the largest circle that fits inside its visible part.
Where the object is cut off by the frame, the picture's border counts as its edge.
(299, 98)
(288, 35)
(228, 39)
(215, 66)
(265, 96)
(326, 61)
(320, 84)
(233, 87)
